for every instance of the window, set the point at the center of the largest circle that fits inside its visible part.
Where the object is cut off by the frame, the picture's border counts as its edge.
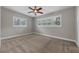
(52, 21)
(19, 22)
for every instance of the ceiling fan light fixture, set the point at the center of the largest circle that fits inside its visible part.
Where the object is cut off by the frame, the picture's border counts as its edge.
(36, 10)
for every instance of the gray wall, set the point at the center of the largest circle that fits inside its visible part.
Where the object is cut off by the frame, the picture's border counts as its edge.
(66, 31)
(0, 26)
(7, 28)
(77, 25)
(0, 21)
(68, 21)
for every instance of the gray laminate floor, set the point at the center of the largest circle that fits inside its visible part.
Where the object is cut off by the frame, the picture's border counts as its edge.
(37, 44)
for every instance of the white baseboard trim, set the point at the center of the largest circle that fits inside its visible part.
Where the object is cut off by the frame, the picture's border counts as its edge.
(77, 44)
(57, 37)
(14, 36)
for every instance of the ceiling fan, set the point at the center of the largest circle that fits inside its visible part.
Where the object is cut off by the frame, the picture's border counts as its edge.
(35, 10)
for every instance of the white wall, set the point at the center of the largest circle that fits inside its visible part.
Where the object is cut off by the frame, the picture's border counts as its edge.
(7, 28)
(68, 21)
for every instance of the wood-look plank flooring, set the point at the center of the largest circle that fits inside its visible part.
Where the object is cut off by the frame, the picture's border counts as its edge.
(37, 44)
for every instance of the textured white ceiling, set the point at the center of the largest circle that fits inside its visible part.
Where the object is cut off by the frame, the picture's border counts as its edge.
(46, 9)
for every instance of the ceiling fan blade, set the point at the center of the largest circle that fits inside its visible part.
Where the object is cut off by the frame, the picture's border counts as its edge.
(40, 12)
(39, 9)
(30, 8)
(30, 12)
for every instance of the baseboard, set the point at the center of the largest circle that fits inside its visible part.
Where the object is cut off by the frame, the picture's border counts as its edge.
(14, 36)
(77, 44)
(57, 37)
